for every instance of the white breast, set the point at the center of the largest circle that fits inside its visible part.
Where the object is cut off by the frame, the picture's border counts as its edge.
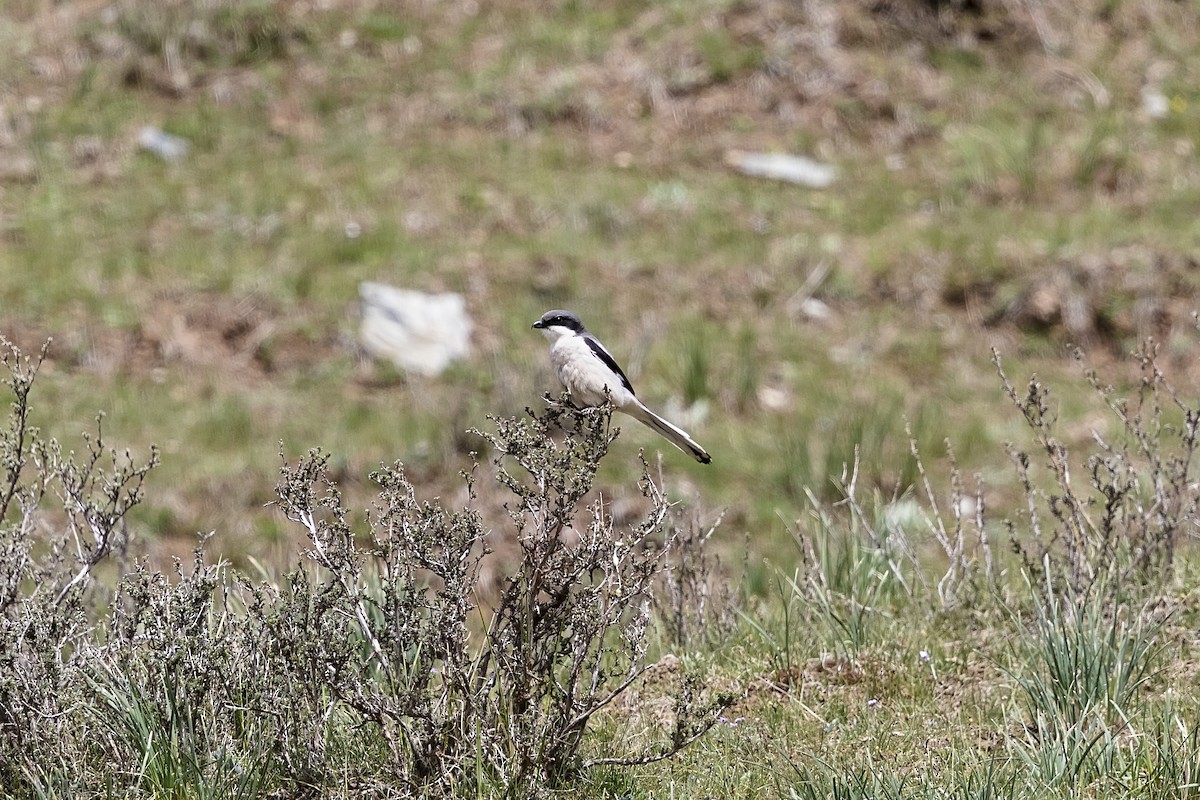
(584, 375)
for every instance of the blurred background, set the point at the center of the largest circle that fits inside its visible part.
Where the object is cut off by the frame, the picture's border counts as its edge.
(192, 193)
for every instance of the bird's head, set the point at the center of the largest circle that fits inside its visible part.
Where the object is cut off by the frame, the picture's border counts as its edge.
(558, 323)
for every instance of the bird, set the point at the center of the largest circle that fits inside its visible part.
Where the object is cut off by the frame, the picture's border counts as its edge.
(591, 375)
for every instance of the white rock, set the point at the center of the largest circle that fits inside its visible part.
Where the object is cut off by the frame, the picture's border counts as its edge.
(773, 398)
(162, 144)
(417, 332)
(1155, 104)
(783, 167)
(815, 309)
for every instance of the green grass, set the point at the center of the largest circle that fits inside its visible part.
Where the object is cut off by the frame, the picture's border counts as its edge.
(481, 149)
(886, 723)
(853, 677)
(416, 152)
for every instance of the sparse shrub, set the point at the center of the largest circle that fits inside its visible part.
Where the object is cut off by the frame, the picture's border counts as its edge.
(565, 639)
(695, 600)
(200, 31)
(47, 560)
(1119, 530)
(1087, 551)
(168, 689)
(175, 45)
(964, 540)
(375, 669)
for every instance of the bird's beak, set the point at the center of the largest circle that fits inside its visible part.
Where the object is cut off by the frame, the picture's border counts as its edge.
(539, 324)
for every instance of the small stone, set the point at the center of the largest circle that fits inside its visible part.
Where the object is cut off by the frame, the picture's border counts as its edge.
(162, 144)
(1155, 104)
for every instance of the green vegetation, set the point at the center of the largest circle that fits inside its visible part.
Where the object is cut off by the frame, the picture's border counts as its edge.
(418, 652)
(1017, 176)
(533, 155)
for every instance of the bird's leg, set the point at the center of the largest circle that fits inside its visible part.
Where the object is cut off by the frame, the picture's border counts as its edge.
(563, 402)
(593, 410)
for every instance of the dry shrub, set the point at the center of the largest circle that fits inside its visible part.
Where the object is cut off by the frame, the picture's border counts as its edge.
(372, 667)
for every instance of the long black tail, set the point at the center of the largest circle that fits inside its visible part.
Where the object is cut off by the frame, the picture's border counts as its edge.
(672, 434)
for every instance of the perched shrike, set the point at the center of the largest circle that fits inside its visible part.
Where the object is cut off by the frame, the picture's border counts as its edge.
(591, 375)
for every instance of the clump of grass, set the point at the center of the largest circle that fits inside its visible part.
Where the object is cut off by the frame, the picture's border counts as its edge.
(1090, 657)
(857, 569)
(697, 370)
(852, 577)
(1082, 668)
(746, 370)
(1008, 164)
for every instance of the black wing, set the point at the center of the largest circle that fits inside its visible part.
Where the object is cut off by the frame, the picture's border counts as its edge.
(608, 360)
